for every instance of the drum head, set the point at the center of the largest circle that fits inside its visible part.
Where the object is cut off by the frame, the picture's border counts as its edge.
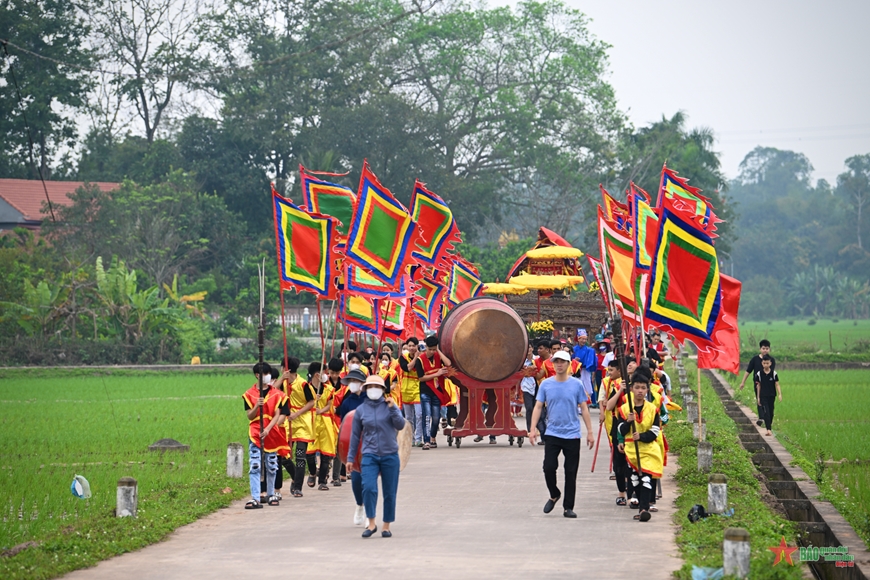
(488, 343)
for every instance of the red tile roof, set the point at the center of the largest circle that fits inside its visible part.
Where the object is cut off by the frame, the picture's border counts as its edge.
(28, 195)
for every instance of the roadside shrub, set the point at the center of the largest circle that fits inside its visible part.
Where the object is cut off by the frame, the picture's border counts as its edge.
(811, 321)
(791, 322)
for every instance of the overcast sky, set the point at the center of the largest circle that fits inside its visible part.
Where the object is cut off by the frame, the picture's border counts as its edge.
(786, 74)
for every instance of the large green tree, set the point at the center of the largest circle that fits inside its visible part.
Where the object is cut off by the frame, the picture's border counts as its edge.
(51, 88)
(854, 186)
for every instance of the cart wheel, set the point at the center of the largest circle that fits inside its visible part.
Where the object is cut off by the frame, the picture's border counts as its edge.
(511, 440)
(519, 441)
(458, 442)
(450, 441)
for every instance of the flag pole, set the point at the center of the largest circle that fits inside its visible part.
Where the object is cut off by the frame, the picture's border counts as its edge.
(261, 343)
(283, 320)
(322, 336)
(700, 425)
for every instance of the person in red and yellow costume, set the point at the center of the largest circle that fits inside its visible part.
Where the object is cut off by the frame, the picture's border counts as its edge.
(325, 427)
(263, 447)
(301, 397)
(387, 371)
(410, 382)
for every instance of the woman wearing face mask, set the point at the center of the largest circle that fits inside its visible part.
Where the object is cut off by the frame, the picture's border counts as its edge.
(386, 370)
(376, 424)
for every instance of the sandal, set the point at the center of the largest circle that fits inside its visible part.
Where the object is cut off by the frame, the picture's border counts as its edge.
(278, 495)
(478, 439)
(253, 505)
(433, 444)
(323, 487)
(653, 508)
(426, 446)
(633, 504)
(620, 501)
(612, 478)
(310, 481)
(296, 493)
(274, 501)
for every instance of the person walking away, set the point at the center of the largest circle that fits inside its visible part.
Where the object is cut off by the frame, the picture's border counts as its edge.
(754, 367)
(562, 395)
(352, 399)
(411, 389)
(642, 451)
(273, 406)
(767, 390)
(376, 424)
(325, 429)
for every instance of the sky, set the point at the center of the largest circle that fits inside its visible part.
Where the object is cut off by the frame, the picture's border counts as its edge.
(787, 74)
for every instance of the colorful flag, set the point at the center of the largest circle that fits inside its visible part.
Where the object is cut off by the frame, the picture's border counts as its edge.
(361, 282)
(393, 314)
(427, 300)
(617, 257)
(382, 233)
(603, 287)
(327, 198)
(438, 231)
(360, 313)
(684, 292)
(646, 230)
(617, 213)
(676, 193)
(305, 243)
(724, 352)
(463, 282)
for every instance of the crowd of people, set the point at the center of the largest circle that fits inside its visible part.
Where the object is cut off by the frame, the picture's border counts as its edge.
(302, 416)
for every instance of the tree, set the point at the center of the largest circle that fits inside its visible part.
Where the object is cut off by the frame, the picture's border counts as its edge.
(770, 173)
(154, 45)
(854, 186)
(52, 84)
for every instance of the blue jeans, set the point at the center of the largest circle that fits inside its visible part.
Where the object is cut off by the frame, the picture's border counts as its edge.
(356, 486)
(388, 468)
(414, 415)
(254, 471)
(431, 415)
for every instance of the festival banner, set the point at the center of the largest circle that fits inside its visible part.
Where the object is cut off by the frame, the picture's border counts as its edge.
(382, 234)
(646, 228)
(617, 257)
(463, 282)
(724, 352)
(305, 248)
(439, 234)
(323, 197)
(359, 313)
(684, 290)
(362, 283)
(427, 300)
(393, 314)
(617, 213)
(598, 273)
(675, 193)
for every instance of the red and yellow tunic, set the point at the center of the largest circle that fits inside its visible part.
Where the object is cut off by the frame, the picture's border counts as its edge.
(651, 461)
(436, 384)
(609, 387)
(325, 425)
(302, 427)
(410, 384)
(574, 368)
(547, 364)
(276, 440)
(392, 377)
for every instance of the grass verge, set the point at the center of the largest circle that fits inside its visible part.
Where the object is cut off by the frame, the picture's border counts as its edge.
(700, 543)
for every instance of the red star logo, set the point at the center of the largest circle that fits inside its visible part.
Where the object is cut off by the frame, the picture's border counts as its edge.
(783, 551)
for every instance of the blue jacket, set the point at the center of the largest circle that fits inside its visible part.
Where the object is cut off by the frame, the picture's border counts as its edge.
(375, 426)
(587, 357)
(351, 401)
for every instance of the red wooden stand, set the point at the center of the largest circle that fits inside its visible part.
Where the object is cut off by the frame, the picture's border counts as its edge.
(498, 419)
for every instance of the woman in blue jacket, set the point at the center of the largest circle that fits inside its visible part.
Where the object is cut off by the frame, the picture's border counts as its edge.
(376, 424)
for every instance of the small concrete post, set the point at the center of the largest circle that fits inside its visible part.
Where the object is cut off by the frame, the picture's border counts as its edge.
(127, 498)
(692, 411)
(699, 433)
(235, 460)
(705, 456)
(735, 552)
(717, 493)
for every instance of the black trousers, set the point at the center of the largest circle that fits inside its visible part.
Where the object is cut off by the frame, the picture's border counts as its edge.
(529, 404)
(766, 414)
(643, 487)
(570, 449)
(301, 456)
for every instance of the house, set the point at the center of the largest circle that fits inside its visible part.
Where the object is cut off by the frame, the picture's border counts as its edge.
(21, 200)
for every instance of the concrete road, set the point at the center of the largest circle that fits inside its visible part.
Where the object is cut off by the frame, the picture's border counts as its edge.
(473, 512)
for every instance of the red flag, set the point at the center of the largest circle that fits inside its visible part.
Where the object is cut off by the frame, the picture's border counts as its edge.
(725, 351)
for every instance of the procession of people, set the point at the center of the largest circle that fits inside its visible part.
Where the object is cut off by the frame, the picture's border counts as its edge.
(376, 397)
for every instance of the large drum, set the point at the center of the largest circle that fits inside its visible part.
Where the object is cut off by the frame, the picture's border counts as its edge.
(485, 338)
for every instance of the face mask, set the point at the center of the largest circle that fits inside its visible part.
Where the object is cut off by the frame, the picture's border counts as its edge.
(267, 379)
(354, 386)
(385, 364)
(405, 351)
(353, 366)
(324, 378)
(374, 393)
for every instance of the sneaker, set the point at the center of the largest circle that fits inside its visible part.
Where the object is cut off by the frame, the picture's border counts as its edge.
(359, 516)
(759, 422)
(478, 439)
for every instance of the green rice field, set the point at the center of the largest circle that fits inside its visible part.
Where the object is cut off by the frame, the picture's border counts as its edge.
(823, 420)
(56, 424)
(825, 335)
